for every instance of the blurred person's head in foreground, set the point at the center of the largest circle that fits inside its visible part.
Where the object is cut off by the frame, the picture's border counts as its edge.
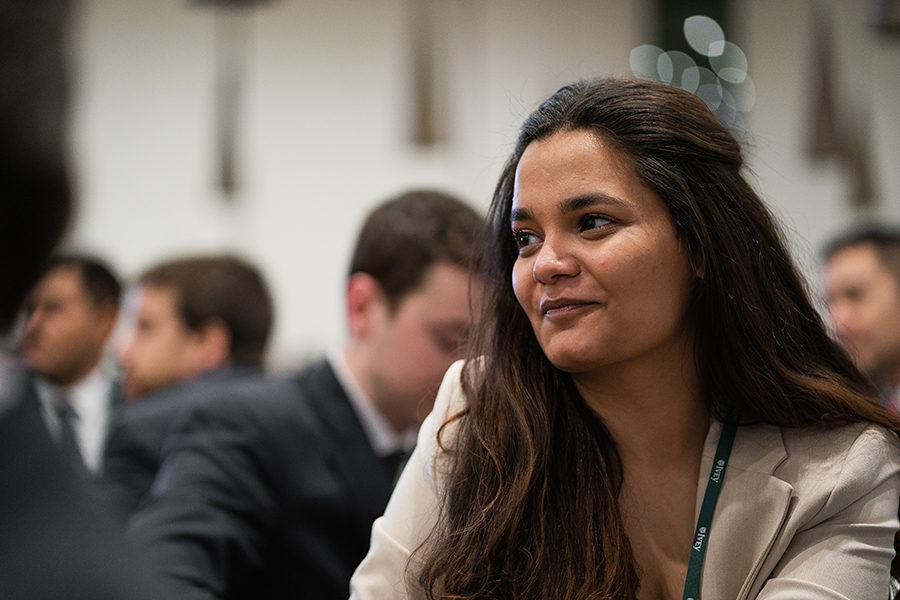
(34, 184)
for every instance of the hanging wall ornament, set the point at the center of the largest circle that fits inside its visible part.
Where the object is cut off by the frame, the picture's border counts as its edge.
(427, 111)
(232, 47)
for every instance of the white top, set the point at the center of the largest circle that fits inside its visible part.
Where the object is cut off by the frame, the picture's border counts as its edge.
(381, 435)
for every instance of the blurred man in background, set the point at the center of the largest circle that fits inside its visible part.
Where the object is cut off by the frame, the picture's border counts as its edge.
(272, 492)
(204, 323)
(861, 274)
(70, 314)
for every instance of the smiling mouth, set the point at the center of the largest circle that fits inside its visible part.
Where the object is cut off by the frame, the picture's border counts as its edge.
(552, 308)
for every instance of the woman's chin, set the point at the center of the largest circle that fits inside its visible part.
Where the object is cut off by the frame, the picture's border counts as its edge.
(567, 363)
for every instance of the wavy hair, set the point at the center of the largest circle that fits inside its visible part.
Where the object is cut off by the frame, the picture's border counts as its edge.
(529, 505)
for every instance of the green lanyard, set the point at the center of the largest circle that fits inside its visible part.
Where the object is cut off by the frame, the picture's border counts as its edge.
(704, 522)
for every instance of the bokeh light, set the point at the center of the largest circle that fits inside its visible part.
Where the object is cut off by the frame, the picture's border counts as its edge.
(695, 77)
(744, 94)
(731, 64)
(644, 61)
(704, 35)
(672, 64)
(725, 86)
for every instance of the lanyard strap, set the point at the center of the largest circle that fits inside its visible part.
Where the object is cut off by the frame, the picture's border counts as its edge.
(713, 487)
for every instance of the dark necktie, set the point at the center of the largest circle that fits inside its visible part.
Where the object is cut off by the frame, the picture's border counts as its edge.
(68, 443)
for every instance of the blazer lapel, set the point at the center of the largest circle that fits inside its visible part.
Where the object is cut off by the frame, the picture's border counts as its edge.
(752, 507)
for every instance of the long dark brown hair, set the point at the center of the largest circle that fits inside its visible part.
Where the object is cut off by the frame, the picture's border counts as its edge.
(529, 505)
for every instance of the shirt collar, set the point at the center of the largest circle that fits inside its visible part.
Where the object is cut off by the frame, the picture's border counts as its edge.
(381, 435)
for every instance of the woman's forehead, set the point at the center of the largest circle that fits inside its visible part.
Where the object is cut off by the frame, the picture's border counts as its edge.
(572, 169)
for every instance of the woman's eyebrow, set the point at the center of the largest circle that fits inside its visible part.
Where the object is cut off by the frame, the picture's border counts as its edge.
(519, 214)
(570, 205)
(587, 201)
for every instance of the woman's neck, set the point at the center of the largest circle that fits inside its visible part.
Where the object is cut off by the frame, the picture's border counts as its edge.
(655, 414)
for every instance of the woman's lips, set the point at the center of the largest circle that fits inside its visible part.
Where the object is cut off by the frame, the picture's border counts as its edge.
(562, 306)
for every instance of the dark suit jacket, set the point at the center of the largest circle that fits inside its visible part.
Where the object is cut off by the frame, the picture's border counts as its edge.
(55, 542)
(269, 492)
(138, 433)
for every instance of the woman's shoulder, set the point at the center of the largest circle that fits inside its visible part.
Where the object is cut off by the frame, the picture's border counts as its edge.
(449, 404)
(862, 441)
(856, 454)
(818, 508)
(439, 431)
(451, 397)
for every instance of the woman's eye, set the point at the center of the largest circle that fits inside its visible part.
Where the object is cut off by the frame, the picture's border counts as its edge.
(593, 222)
(524, 238)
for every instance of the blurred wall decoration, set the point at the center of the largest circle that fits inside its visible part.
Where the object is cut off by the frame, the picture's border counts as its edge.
(232, 45)
(837, 128)
(885, 17)
(428, 126)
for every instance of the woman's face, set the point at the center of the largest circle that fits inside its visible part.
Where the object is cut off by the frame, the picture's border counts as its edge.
(600, 273)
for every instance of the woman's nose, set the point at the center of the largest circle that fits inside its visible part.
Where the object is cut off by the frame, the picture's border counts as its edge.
(553, 260)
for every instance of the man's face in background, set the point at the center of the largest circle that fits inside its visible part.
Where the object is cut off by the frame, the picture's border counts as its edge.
(864, 306)
(65, 329)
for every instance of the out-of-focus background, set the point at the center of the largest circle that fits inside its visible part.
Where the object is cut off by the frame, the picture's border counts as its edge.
(269, 128)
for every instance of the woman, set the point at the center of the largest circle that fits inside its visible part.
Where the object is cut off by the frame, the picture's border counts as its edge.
(645, 345)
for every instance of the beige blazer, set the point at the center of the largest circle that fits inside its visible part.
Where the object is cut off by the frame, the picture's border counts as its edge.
(803, 514)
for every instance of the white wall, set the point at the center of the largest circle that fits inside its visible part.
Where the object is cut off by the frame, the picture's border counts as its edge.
(324, 126)
(811, 196)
